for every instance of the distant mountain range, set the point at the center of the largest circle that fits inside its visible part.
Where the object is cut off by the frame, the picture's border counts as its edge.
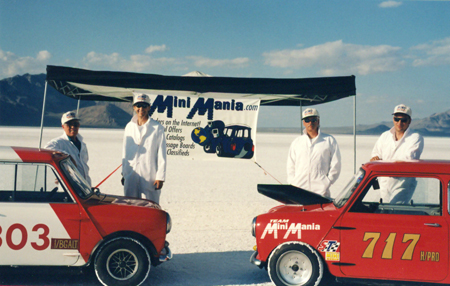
(21, 99)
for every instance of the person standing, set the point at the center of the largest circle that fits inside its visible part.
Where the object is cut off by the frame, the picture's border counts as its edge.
(71, 142)
(398, 144)
(314, 159)
(144, 153)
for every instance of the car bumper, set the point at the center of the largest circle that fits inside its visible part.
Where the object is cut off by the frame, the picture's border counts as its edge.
(254, 260)
(166, 253)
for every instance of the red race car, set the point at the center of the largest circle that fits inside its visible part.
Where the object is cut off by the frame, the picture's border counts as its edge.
(50, 216)
(391, 222)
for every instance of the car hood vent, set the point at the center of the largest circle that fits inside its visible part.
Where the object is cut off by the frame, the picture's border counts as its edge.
(290, 195)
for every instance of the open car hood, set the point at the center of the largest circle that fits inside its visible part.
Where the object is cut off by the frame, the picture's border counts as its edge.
(120, 200)
(290, 195)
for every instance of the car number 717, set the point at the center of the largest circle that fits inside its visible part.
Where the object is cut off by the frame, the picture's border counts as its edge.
(389, 247)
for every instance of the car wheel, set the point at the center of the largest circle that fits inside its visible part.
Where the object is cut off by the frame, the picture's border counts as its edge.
(295, 263)
(249, 155)
(123, 261)
(219, 150)
(207, 148)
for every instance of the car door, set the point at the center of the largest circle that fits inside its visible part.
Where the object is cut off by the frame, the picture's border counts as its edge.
(39, 219)
(405, 241)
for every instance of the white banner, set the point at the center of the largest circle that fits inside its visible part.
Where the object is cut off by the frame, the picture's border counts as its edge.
(207, 128)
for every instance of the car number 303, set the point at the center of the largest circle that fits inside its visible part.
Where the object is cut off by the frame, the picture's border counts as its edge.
(42, 242)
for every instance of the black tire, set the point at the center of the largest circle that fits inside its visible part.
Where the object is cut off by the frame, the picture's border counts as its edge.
(219, 150)
(122, 261)
(249, 155)
(207, 148)
(295, 263)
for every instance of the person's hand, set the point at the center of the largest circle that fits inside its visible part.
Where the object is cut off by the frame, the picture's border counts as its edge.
(122, 180)
(376, 158)
(158, 184)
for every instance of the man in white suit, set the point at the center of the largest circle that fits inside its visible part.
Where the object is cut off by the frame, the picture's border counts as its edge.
(314, 159)
(144, 153)
(71, 142)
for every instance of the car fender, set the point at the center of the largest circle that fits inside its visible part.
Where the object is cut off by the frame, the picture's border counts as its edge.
(126, 235)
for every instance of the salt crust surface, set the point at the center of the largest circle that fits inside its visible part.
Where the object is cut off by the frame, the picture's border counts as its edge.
(212, 203)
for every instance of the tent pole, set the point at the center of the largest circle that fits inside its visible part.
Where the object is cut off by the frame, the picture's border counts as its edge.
(78, 106)
(301, 111)
(42, 117)
(354, 134)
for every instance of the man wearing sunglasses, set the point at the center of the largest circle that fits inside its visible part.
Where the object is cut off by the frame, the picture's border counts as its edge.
(398, 144)
(72, 143)
(314, 159)
(144, 153)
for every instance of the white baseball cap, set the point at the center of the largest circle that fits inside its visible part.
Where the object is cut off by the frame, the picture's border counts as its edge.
(68, 116)
(403, 109)
(309, 112)
(141, 98)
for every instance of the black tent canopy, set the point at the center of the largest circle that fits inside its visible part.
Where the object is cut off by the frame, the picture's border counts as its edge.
(119, 86)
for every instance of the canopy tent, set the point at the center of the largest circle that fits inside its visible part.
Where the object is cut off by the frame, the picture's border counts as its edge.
(119, 86)
(84, 84)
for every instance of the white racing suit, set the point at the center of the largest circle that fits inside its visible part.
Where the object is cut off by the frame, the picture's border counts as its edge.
(144, 159)
(81, 156)
(409, 147)
(314, 164)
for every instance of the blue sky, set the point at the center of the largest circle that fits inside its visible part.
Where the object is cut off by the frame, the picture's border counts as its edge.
(398, 51)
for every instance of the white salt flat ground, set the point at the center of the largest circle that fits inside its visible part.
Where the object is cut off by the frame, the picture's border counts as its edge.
(212, 203)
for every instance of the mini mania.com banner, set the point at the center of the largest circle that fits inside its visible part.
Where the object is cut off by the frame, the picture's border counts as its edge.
(207, 128)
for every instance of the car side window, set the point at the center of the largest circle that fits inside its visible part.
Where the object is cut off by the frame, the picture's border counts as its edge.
(401, 195)
(246, 133)
(31, 183)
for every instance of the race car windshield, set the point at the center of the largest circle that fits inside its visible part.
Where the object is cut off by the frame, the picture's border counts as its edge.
(77, 181)
(347, 192)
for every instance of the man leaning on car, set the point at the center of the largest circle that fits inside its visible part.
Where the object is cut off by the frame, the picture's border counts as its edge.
(72, 143)
(398, 144)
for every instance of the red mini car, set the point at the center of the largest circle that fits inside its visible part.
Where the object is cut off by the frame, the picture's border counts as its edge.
(49, 216)
(391, 222)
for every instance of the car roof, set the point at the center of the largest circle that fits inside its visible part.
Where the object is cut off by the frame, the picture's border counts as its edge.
(33, 155)
(237, 126)
(419, 166)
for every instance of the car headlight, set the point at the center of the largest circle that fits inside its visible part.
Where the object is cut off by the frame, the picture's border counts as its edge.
(254, 227)
(169, 224)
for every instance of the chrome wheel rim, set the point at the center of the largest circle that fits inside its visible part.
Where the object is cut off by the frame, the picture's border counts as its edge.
(294, 268)
(122, 264)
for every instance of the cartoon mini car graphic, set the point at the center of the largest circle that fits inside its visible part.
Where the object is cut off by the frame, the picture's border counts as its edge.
(236, 142)
(230, 141)
(391, 223)
(50, 216)
(209, 136)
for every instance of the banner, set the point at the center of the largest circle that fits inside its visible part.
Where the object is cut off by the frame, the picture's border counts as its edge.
(207, 128)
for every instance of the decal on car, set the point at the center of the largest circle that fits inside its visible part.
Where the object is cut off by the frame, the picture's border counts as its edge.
(276, 225)
(412, 239)
(330, 247)
(429, 256)
(62, 243)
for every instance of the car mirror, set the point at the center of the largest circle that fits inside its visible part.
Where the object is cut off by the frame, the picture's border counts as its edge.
(96, 191)
(375, 184)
